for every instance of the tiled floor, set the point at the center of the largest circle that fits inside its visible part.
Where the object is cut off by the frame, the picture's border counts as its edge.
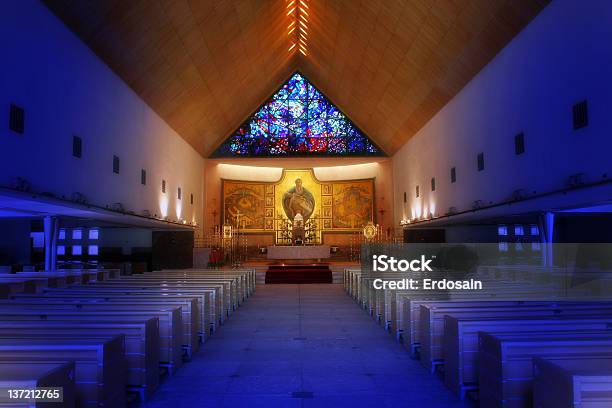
(302, 346)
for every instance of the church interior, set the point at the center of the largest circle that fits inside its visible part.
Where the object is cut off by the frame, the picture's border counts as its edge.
(200, 199)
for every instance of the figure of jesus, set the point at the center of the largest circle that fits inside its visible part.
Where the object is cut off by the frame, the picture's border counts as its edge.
(298, 200)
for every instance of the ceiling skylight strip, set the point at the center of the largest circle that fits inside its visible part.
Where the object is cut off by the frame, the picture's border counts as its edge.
(299, 18)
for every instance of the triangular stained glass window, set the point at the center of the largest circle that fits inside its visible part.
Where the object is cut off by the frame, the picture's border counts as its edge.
(298, 121)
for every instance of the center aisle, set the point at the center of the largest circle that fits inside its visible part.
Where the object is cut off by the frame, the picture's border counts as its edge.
(302, 346)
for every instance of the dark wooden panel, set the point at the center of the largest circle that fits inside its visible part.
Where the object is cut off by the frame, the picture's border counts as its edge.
(172, 249)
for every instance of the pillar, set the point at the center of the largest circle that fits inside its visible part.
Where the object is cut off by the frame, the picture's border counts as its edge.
(51, 225)
(547, 224)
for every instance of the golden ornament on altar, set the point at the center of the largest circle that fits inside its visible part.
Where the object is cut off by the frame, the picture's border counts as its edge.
(369, 231)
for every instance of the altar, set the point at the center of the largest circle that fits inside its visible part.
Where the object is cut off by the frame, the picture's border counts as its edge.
(277, 252)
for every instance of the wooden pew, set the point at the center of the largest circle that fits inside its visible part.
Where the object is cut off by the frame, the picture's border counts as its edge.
(227, 296)
(432, 320)
(205, 300)
(245, 277)
(131, 287)
(9, 287)
(75, 295)
(248, 273)
(54, 279)
(411, 334)
(141, 344)
(100, 274)
(100, 365)
(351, 280)
(506, 362)
(572, 383)
(30, 375)
(460, 347)
(244, 281)
(405, 311)
(226, 288)
(189, 309)
(170, 326)
(216, 309)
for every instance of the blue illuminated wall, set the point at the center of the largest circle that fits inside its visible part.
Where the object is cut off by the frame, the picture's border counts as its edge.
(562, 57)
(66, 90)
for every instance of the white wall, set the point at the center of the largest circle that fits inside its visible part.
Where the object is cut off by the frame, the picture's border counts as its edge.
(562, 57)
(66, 90)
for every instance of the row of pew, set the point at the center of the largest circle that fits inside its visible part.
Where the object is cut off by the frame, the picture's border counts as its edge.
(108, 339)
(515, 345)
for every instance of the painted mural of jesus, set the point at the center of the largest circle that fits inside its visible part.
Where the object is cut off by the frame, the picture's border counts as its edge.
(298, 200)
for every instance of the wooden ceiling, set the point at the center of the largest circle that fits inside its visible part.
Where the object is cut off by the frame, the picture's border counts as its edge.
(205, 65)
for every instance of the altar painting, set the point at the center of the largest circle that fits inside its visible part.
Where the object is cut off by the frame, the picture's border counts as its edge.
(332, 205)
(244, 205)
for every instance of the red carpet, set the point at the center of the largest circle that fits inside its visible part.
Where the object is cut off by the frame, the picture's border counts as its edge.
(313, 273)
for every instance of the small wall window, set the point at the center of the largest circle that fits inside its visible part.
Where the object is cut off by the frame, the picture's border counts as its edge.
(62, 234)
(77, 146)
(480, 161)
(519, 143)
(143, 177)
(580, 113)
(534, 230)
(433, 184)
(77, 250)
(115, 164)
(518, 230)
(94, 234)
(17, 119)
(418, 193)
(502, 230)
(453, 174)
(191, 198)
(164, 186)
(405, 198)
(38, 239)
(77, 234)
(178, 194)
(92, 250)
(61, 250)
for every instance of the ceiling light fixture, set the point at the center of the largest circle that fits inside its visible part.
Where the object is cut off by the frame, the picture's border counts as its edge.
(299, 18)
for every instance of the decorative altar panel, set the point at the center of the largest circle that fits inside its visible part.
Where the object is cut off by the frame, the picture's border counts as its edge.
(340, 206)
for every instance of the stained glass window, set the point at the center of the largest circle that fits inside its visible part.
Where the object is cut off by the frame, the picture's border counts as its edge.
(298, 121)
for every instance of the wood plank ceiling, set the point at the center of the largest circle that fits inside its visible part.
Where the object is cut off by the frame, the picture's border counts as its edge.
(205, 65)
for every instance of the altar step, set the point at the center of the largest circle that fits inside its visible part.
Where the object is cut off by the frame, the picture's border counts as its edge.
(315, 273)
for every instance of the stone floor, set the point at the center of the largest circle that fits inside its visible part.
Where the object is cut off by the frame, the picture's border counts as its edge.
(302, 346)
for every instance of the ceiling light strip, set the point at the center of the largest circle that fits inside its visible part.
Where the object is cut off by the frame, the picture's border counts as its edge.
(299, 18)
